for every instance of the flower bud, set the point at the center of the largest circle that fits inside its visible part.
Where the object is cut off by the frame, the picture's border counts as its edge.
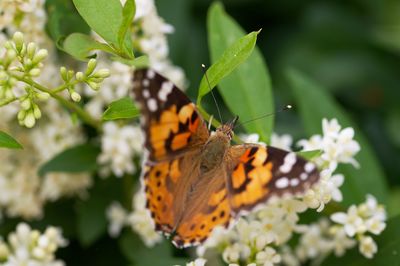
(34, 72)
(95, 86)
(36, 112)
(26, 104)
(29, 120)
(102, 73)
(76, 97)
(4, 251)
(39, 56)
(80, 76)
(63, 73)
(70, 74)
(18, 39)
(21, 115)
(91, 66)
(10, 55)
(30, 50)
(3, 77)
(43, 96)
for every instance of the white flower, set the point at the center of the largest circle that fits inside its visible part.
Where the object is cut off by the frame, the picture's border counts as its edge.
(325, 190)
(117, 217)
(141, 222)
(197, 262)
(284, 141)
(340, 242)
(351, 220)
(337, 145)
(268, 257)
(30, 247)
(119, 145)
(368, 247)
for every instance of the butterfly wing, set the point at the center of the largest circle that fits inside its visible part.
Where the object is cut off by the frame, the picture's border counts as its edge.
(174, 133)
(185, 203)
(170, 120)
(256, 172)
(205, 207)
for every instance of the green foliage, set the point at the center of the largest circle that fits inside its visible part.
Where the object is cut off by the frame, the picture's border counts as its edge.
(247, 91)
(81, 158)
(6, 141)
(108, 19)
(120, 109)
(309, 155)
(314, 105)
(134, 249)
(80, 46)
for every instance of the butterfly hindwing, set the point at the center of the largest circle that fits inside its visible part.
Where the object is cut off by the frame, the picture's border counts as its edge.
(258, 172)
(169, 119)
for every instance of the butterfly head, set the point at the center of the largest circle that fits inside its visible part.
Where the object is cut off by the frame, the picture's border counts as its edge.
(227, 129)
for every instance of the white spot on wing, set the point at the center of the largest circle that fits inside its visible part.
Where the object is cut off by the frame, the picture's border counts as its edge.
(166, 88)
(303, 176)
(294, 182)
(152, 104)
(309, 167)
(288, 162)
(150, 74)
(145, 83)
(146, 93)
(282, 182)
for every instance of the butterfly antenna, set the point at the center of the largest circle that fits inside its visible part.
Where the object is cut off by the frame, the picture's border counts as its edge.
(209, 86)
(287, 107)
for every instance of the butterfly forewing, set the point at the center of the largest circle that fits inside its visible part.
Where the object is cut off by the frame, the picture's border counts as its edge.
(258, 172)
(169, 119)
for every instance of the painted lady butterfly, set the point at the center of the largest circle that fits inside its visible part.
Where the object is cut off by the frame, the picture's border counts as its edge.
(195, 180)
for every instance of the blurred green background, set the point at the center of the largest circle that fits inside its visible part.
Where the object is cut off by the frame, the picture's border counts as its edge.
(349, 47)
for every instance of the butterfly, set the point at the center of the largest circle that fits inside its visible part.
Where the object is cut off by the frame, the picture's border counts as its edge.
(195, 180)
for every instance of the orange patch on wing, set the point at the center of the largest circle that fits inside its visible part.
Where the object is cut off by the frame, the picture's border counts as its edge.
(217, 197)
(175, 173)
(186, 112)
(159, 199)
(257, 179)
(180, 140)
(238, 176)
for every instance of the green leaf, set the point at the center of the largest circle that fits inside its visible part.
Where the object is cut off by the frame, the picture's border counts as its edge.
(91, 212)
(80, 46)
(231, 58)
(309, 155)
(128, 13)
(62, 19)
(103, 16)
(247, 90)
(138, 62)
(81, 158)
(6, 141)
(136, 252)
(120, 109)
(314, 104)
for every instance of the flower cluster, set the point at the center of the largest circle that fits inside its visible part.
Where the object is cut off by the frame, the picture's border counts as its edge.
(139, 220)
(368, 217)
(263, 237)
(337, 146)
(29, 247)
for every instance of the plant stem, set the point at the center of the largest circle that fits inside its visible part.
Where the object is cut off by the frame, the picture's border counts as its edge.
(8, 101)
(87, 118)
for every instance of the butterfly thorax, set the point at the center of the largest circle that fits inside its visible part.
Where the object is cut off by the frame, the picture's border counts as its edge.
(215, 149)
